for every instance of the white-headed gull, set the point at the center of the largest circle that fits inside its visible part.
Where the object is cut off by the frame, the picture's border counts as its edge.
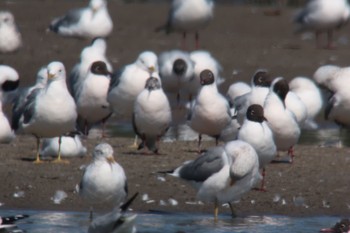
(210, 113)
(129, 81)
(10, 37)
(71, 146)
(221, 174)
(311, 96)
(49, 111)
(104, 180)
(89, 22)
(187, 16)
(281, 121)
(152, 114)
(91, 97)
(323, 16)
(258, 134)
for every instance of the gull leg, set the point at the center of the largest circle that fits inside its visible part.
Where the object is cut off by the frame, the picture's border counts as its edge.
(291, 154)
(59, 160)
(233, 214)
(91, 216)
(216, 210)
(263, 174)
(134, 145)
(330, 44)
(37, 160)
(199, 142)
(197, 40)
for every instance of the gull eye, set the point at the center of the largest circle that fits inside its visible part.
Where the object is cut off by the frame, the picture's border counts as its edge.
(6, 19)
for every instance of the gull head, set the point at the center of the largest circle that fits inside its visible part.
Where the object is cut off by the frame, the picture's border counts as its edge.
(99, 68)
(148, 61)
(179, 67)
(95, 5)
(6, 18)
(103, 151)
(55, 71)
(255, 112)
(153, 84)
(261, 78)
(206, 77)
(280, 87)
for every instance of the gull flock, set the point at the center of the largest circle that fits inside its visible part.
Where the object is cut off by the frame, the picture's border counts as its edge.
(251, 123)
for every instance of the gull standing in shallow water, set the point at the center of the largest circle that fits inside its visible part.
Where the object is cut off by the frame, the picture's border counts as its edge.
(281, 121)
(49, 111)
(89, 22)
(221, 174)
(152, 114)
(104, 180)
(323, 16)
(210, 113)
(188, 16)
(10, 37)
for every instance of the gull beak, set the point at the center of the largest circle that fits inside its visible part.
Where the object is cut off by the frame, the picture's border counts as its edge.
(151, 69)
(50, 75)
(110, 159)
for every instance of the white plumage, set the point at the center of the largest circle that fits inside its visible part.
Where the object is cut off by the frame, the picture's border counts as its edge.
(10, 37)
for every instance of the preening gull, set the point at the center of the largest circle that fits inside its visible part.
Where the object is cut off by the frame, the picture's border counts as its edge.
(89, 22)
(323, 16)
(221, 174)
(49, 111)
(10, 37)
(152, 114)
(187, 16)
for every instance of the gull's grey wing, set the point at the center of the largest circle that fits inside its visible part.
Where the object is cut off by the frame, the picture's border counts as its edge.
(29, 109)
(18, 106)
(204, 166)
(72, 17)
(115, 78)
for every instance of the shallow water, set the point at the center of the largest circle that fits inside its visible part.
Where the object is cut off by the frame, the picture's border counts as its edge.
(76, 222)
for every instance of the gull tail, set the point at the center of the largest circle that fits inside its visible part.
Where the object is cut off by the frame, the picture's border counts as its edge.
(126, 205)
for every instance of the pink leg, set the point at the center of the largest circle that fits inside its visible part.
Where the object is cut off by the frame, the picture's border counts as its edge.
(263, 174)
(291, 154)
(197, 40)
(318, 43)
(199, 143)
(330, 44)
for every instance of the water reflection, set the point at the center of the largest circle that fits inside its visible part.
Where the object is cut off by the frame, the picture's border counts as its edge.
(76, 222)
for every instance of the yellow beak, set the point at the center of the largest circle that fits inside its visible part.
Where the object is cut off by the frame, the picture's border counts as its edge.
(151, 69)
(50, 76)
(110, 159)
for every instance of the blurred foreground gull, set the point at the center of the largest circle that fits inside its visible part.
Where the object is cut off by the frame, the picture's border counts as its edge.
(116, 221)
(210, 113)
(325, 75)
(91, 97)
(104, 180)
(71, 146)
(221, 174)
(152, 114)
(188, 16)
(311, 96)
(323, 16)
(8, 223)
(89, 22)
(49, 111)
(281, 121)
(9, 82)
(10, 37)
(257, 133)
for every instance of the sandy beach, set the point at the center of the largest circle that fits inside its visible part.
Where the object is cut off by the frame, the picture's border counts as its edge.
(242, 39)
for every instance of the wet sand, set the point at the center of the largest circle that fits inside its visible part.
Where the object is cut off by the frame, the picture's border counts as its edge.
(243, 39)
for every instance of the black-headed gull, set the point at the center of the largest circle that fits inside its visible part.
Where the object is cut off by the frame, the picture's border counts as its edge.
(89, 22)
(49, 111)
(281, 121)
(210, 113)
(104, 180)
(10, 37)
(311, 96)
(176, 69)
(258, 134)
(91, 97)
(188, 16)
(323, 16)
(152, 114)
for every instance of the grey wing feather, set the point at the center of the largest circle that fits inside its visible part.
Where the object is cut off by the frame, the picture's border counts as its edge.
(329, 107)
(115, 78)
(72, 17)
(18, 107)
(29, 109)
(204, 166)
